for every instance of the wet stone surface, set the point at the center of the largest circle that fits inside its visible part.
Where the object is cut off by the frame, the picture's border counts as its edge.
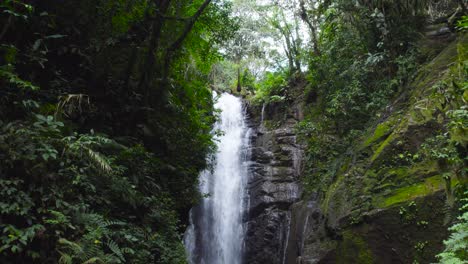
(273, 187)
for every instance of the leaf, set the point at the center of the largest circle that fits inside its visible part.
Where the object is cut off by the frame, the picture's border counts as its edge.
(15, 14)
(116, 249)
(37, 44)
(93, 260)
(100, 161)
(56, 36)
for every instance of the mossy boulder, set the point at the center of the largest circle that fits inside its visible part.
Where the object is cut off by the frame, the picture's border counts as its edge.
(407, 233)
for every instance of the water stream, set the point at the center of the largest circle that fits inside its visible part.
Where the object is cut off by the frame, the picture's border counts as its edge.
(216, 233)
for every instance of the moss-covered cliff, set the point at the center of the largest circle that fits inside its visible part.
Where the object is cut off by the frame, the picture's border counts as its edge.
(390, 196)
(390, 193)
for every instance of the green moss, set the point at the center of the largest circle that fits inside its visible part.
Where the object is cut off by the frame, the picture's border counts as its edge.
(419, 170)
(382, 130)
(399, 173)
(408, 193)
(382, 147)
(354, 249)
(342, 167)
(426, 168)
(330, 193)
(434, 72)
(392, 178)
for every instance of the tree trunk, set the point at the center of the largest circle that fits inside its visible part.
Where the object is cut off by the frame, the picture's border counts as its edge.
(157, 25)
(313, 31)
(5, 27)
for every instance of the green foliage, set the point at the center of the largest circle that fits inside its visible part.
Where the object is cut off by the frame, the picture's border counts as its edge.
(16, 8)
(7, 73)
(440, 148)
(248, 81)
(462, 24)
(131, 218)
(366, 57)
(101, 164)
(15, 241)
(272, 88)
(456, 246)
(321, 155)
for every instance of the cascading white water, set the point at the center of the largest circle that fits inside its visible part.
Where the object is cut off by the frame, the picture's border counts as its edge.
(216, 233)
(263, 114)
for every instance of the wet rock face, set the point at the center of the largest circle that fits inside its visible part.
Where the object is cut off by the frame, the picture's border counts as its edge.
(309, 239)
(273, 187)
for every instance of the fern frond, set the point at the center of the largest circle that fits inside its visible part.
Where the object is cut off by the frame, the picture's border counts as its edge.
(91, 250)
(99, 160)
(65, 258)
(128, 251)
(72, 246)
(94, 219)
(93, 260)
(116, 250)
(114, 223)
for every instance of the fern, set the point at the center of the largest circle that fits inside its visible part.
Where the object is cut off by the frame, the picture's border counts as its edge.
(83, 251)
(58, 218)
(93, 244)
(72, 249)
(77, 145)
(116, 250)
(93, 260)
(456, 246)
(112, 223)
(65, 258)
(99, 160)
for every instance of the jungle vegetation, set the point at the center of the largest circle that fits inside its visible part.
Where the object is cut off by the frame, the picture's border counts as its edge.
(106, 108)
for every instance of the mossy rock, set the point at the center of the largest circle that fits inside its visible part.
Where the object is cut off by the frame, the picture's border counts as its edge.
(385, 144)
(401, 176)
(409, 193)
(354, 249)
(386, 165)
(382, 131)
(384, 236)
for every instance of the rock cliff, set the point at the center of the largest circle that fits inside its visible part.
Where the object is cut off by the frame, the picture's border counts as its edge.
(274, 184)
(385, 202)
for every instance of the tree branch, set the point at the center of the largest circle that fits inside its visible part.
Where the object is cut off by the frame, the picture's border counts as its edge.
(178, 42)
(306, 19)
(188, 27)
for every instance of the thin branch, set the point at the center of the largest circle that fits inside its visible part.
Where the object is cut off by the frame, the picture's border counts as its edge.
(178, 42)
(188, 27)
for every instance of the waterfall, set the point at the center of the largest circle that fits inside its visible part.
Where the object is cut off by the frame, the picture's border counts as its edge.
(216, 233)
(263, 114)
